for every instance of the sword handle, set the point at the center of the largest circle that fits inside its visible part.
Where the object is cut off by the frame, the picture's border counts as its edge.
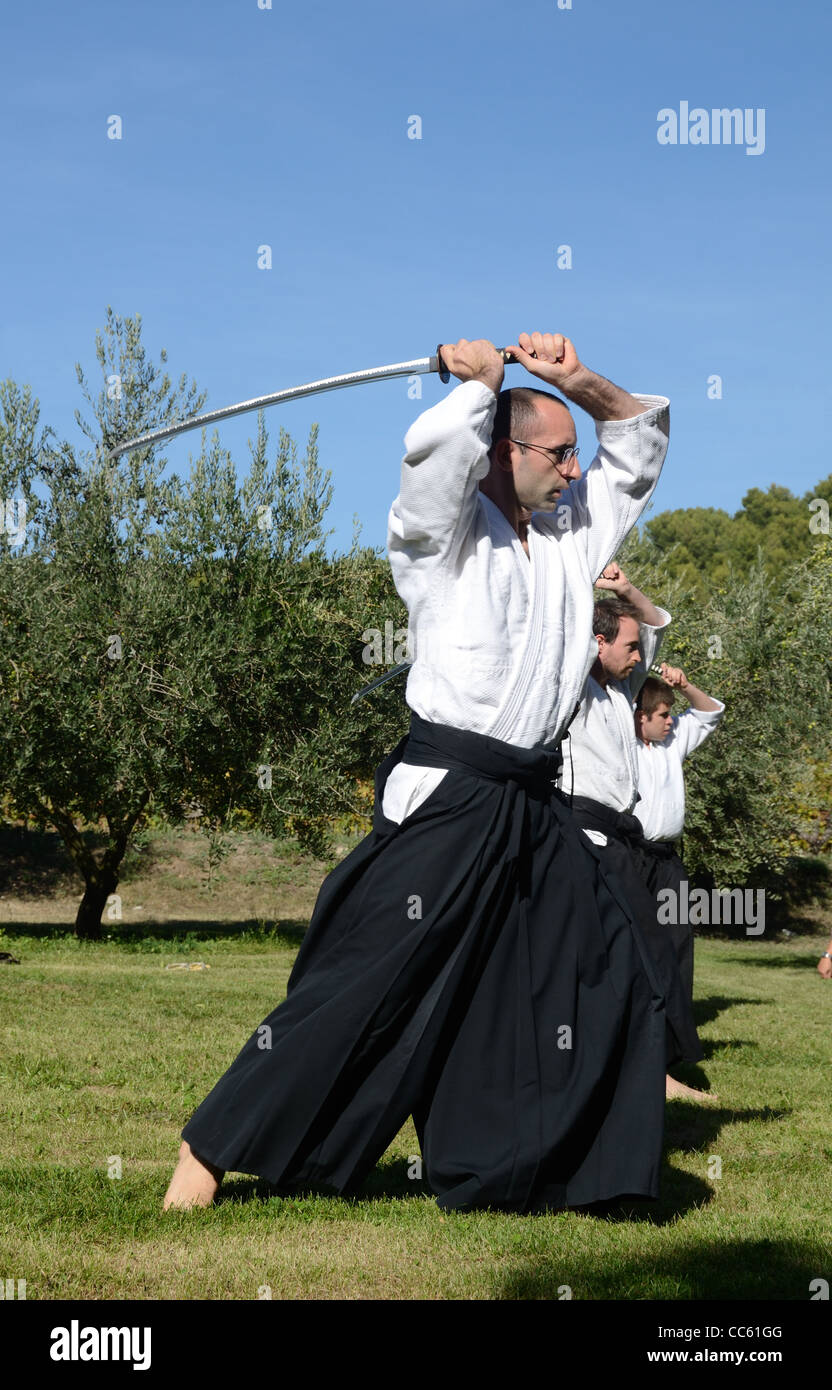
(437, 363)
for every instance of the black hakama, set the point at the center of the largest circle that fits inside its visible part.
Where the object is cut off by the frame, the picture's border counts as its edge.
(475, 967)
(664, 869)
(643, 868)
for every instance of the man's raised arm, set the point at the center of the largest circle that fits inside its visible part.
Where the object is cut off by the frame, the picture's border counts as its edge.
(632, 434)
(556, 362)
(617, 582)
(653, 621)
(447, 454)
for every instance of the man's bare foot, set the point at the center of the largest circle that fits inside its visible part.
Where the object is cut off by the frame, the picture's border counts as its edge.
(677, 1090)
(194, 1183)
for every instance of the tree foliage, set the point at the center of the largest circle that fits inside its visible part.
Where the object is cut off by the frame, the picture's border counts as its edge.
(174, 642)
(187, 645)
(706, 547)
(761, 643)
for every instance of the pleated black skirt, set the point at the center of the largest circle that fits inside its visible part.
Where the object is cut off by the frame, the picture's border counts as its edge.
(664, 869)
(641, 867)
(472, 967)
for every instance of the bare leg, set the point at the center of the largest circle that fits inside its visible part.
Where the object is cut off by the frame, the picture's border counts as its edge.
(194, 1182)
(677, 1090)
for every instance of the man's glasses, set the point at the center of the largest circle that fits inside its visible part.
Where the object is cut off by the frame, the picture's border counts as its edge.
(563, 454)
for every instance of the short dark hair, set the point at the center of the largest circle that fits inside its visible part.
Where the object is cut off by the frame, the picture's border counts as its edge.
(654, 693)
(607, 616)
(516, 411)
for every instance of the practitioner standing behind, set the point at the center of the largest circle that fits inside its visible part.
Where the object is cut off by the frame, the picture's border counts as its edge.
(600, 776)
(663, 741)
(599, 756)
(468, 963)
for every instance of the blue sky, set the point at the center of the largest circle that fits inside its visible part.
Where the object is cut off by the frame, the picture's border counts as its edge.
(289, 127)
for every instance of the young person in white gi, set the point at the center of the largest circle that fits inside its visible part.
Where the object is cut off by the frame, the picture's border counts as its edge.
(468, 963)
(663, 741)
(600, 775)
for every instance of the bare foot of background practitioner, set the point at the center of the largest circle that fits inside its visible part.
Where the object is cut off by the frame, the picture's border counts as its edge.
(194, 1183)
(677, 1090)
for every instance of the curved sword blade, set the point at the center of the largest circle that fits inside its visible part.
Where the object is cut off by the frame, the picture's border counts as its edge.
(312, 388)
(418, 367)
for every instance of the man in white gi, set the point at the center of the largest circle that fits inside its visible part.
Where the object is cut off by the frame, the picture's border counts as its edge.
(599, 755)
(468, 963)
(600, 776)
(663, 741)
(494, 543)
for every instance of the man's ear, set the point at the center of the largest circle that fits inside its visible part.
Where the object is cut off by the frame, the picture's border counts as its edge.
(501, 455)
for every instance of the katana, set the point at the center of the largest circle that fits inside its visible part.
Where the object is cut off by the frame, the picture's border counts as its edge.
(419, 367)
(381, 680)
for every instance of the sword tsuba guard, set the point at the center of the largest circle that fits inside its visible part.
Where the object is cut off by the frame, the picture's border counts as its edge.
(437, 363)
(444, 374)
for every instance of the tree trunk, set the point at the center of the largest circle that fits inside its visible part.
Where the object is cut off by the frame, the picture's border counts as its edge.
(98, 889)
(99, 867)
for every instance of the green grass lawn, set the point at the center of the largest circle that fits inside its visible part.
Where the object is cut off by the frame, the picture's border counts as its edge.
(105, 1054)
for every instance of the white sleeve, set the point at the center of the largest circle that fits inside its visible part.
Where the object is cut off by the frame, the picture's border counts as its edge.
(693, 726)
(650, 639)
(447, 455)
(613, 492)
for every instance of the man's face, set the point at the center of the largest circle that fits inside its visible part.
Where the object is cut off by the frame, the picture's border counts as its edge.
(538, 480)
(655, 727)
(618, 658)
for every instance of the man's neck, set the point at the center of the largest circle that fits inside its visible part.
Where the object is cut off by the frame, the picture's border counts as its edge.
(499, 488)
(598, 673)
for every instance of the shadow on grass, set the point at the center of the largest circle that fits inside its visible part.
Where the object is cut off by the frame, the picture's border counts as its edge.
(711, 1046)
(388, 1179)
(708, 1269)
(705, 1010)
(787, 959)
(694, 1128)
(149, 934)
(681, 1192)
(691, 1074)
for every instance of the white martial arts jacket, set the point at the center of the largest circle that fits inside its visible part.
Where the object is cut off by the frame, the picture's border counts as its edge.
(600, 759)
(661, 781)
(501, 641)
